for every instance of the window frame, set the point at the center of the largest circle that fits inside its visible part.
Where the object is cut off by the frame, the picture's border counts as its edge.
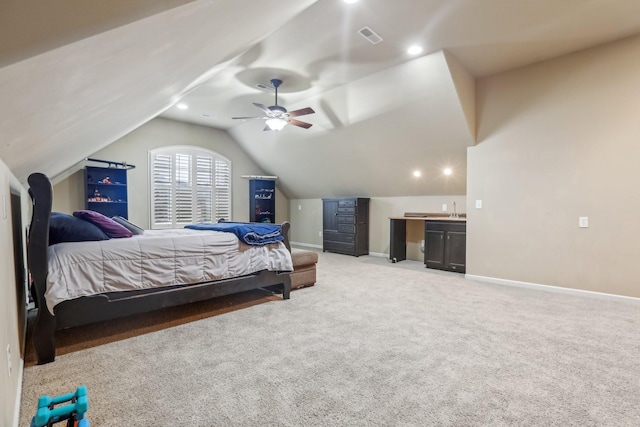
(221, 187)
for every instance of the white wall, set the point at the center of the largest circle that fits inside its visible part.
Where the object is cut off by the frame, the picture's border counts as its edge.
(557, 141)
(12, 311)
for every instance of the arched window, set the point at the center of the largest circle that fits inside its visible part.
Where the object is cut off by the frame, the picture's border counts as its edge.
(188, 185)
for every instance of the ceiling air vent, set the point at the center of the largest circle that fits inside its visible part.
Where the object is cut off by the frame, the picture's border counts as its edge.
(370, 35)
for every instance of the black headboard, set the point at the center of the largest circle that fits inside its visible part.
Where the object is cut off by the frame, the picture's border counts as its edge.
(41, 192)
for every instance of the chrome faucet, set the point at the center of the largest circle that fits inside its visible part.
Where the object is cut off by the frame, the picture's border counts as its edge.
(454, 214)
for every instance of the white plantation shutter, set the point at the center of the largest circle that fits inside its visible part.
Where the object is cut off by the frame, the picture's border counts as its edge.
(204, 185)
(188, 185)
(183, 190)
(162, 203)
(223, 190)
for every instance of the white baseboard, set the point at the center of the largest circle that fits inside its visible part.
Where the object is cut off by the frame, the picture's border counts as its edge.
(549, 288)
(16, 410)
(379, 254)
(306, 245)
(309, 245)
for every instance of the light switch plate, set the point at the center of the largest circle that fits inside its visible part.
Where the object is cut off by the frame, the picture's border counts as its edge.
(583, 222)
(444, 207)
(478, 204)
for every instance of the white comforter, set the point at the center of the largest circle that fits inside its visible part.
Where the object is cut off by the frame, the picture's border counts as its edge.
(154, 259)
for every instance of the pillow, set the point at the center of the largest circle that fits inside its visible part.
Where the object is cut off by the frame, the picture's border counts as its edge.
(128, 225)
(67, 228)
(109, 226)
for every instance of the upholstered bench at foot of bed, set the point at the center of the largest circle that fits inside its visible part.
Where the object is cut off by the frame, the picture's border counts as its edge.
(304, 268)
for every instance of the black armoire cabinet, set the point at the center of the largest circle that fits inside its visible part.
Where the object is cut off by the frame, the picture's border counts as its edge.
(445, 245)
(345, 223)
(106, 191)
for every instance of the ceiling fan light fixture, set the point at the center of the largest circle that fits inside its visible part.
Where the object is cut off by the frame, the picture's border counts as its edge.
(278, 110)
(276, 116)
(276, 124)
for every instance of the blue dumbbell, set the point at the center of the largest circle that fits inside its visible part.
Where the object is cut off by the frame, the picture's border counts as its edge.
(48, 414)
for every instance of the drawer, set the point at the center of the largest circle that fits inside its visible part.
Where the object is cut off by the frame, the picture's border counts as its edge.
(346, 210)
(347, 228)
(339, 237)
(346, 219)
(347, 202)
(345, 248)
(446, 226)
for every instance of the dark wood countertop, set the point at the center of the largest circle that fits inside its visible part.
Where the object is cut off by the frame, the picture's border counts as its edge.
(430, 218)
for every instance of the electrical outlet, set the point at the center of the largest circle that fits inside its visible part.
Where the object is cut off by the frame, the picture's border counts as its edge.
(299, 207)
(9, 359)
(444, 207)
(478, 204)
(583, 222)
(320, 233)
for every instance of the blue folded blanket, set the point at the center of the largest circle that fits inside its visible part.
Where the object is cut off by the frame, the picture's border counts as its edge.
(255, 234)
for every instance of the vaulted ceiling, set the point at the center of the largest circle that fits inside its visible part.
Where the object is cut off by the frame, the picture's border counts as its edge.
(78, 76)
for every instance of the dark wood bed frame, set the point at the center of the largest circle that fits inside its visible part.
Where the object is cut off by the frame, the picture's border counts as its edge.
(96, 308)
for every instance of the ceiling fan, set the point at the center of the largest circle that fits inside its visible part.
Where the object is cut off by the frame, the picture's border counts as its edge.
(276, 116)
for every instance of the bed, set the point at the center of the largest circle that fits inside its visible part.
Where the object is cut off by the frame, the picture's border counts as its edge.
(66, 296)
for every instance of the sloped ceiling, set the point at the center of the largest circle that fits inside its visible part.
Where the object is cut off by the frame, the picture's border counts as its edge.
(77, 76)
(64, 104)
(32, 27)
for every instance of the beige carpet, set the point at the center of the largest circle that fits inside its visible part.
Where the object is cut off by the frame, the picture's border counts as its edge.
(75, 339)
(372, 343)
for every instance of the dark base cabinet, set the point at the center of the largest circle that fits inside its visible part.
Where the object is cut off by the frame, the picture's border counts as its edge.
(345, 223)
(445, 245)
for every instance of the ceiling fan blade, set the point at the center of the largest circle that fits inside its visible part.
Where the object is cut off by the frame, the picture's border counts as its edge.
(248, 118)
(301, 112)
(299, 123)
(264, 109)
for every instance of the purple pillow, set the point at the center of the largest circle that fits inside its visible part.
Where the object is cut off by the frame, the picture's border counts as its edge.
(106, 224)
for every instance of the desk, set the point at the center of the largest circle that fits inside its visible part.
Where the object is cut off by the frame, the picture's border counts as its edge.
(398, 232)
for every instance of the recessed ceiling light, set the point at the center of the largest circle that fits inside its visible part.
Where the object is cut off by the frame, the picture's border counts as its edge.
(417, 173)
(447, 171)
(350, 1)
(415, 50)
(182, 106)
